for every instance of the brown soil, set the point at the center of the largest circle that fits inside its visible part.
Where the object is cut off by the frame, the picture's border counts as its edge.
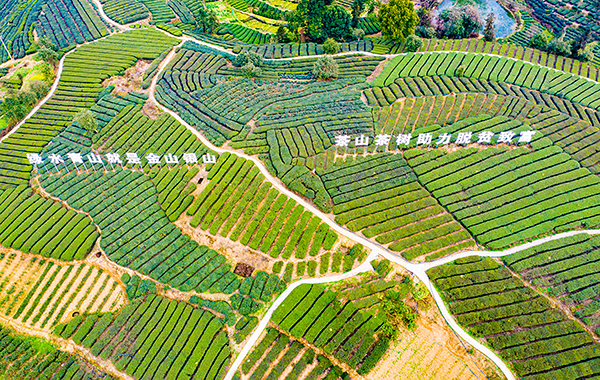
(152, 110)
(243, 270)
(432, 351)
(377, 70)
(131, 81)
(233, 250)
(20, 276)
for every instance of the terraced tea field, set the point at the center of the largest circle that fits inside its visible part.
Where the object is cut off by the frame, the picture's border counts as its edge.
(189, 194)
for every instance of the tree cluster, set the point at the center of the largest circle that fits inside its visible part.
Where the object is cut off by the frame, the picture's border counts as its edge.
(318, 20)
(577, 48)
(456, 22)
(17, 104)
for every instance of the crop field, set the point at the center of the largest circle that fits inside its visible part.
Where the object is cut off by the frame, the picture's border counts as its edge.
(80, 84)
(34, 224)
(286, 219)
(506, 207)
(140, 236)
(278, 357)
(65, 23)
(70, 22)
(562, 269)
(154, 338)
(239, 204)
(489, 301)
(42, 293)
(385, 207)
(31, 358)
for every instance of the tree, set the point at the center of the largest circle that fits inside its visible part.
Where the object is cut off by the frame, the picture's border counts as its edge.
(86, 120)
(398, 19)
(250, 70)
(325, 68)
(38, 88)
(459, 22)
(330, 46)
(425, 17)
(282, 35)
(358, 33)
(48, 73)
(47, 55)
(207, 19)
(309, 16)
(13, 109)
(336, 22)
(246, 56)
(413, 43)
(579, 45)
(559, 46)
(357, 8)
(489, 33)
(539, 41)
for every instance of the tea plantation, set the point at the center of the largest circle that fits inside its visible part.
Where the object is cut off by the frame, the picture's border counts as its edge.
(294, 189)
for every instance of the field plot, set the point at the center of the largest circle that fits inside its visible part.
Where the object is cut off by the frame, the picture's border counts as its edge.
(430, 100)
(125, 11)
(39, 293)
(545, 191)
(75, 138)
(474, 45)
(34, 224)
(490, 302)
(79, 87)
(565, 270)
(239, 204)
(276, 356)
(132, 131)
(193, 84)
(492, 68)
(65, 23)
(339, 329)
(155, 338)
(432, 351)
(136, 232)
(379, 195)
(70, 22)
(29, 358)
(174, 188)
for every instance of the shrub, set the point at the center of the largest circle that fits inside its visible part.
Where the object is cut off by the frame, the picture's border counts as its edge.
(245, 57)
(413, 43)
(539, 41)
(325, 68)
(300, 268)
(559, 46)
(331, 46)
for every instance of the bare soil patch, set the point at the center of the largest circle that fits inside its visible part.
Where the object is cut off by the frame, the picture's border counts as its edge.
(377, 70)
(131, 81)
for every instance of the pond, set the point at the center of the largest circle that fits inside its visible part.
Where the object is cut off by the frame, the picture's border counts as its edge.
(504, 23)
